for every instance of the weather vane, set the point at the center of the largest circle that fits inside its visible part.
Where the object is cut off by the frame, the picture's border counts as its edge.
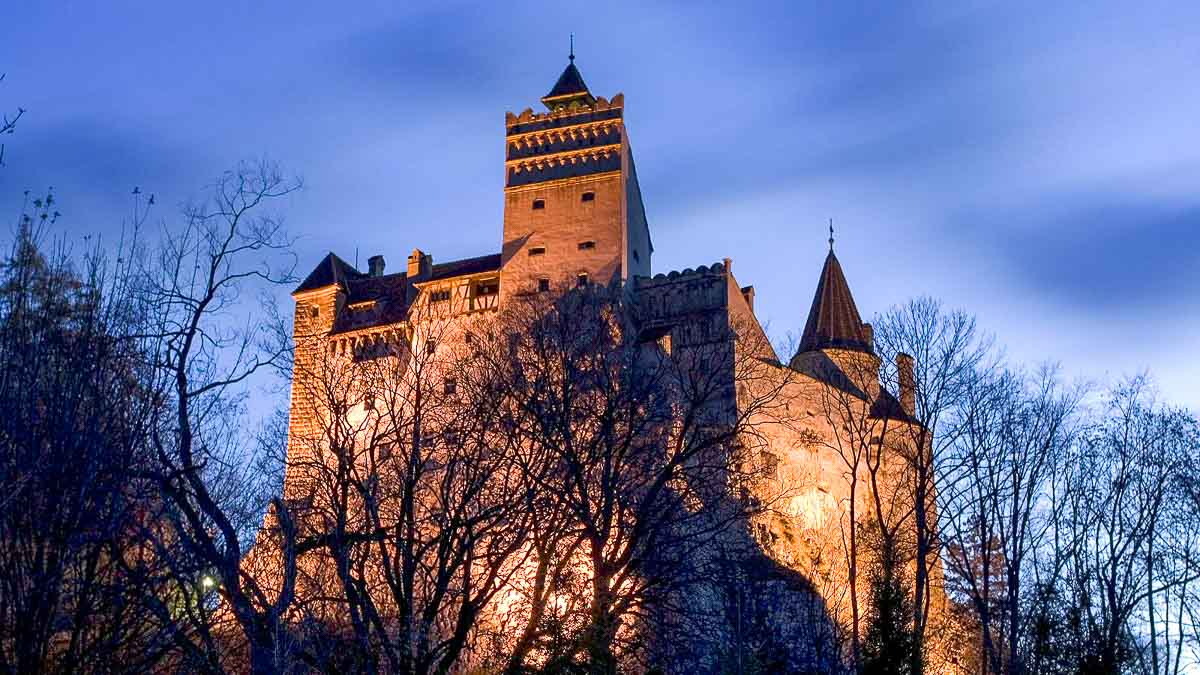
(572, 56)
(831, 235)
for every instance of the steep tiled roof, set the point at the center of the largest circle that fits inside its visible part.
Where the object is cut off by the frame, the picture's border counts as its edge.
(390, 292)
(833, 321)
(390, 296)
(331, 270)
(570, 85)
(570, 82)
(477, 265)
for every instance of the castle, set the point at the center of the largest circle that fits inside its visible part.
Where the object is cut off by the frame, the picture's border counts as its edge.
(573, 216)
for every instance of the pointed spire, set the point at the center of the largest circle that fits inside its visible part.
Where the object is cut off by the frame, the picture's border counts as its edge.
(833, 320)
(570, 87)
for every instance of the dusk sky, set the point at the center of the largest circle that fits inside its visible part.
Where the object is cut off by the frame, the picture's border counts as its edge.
(1037, 166)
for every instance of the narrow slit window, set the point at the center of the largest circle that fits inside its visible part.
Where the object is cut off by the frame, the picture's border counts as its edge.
(537, 250)
(588, 197)
(539, 204)
(587, 245)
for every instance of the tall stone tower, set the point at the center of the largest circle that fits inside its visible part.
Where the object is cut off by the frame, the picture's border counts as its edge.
(572, 206)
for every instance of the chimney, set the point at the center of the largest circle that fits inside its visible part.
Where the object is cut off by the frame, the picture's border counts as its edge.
(375, 264)
(908, 383)
(748, 294)
(869, 336)
(420, 265)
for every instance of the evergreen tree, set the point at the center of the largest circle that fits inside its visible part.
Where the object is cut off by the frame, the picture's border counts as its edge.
(889, 641)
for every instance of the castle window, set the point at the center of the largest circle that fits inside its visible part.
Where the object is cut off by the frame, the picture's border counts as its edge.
(543, 285)
(539, 204)
(369, 401)
(430, 347)
(588, 197)
(450, 437)
(450, 385)
(581, 280)
(314, 311)
(491, 287)
(537, 250)
(439, 296)
(587, 245)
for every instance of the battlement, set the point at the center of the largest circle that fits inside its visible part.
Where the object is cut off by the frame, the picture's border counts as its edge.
(693, 298)
(578, 113)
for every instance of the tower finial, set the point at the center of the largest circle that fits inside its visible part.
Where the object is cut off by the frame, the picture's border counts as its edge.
(572, 55)
(831, 235)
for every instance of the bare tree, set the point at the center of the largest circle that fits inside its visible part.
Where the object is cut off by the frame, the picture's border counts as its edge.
(646, 440)
(8, 123)
(998, 521)
(74, 512)
(202, 358)
(409, 489)
(930, 356)
(1127, 473)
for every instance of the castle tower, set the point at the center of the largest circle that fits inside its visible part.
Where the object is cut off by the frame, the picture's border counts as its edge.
(572, 206)
(835, 339)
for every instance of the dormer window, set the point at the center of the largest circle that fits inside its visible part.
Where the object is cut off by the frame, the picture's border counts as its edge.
(539, 204)
(588, 197)
(537, 250)
(587, 245)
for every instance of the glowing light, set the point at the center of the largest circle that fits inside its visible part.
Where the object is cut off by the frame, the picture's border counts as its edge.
(207, 582)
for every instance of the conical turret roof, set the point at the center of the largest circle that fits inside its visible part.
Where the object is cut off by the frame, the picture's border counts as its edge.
(569, 87)
(833, 320)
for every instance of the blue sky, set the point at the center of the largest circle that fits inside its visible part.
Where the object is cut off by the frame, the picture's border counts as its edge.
(1036, 165)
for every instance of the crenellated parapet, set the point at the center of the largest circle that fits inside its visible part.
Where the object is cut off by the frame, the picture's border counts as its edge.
(577, 113)
(692, 304)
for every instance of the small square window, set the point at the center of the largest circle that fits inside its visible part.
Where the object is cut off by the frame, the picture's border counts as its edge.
(314, 311)
(581, 280)
(543, 285)
(450, 385)
(537, 250)
(539, 204)
(587, 245)
(588, 197)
